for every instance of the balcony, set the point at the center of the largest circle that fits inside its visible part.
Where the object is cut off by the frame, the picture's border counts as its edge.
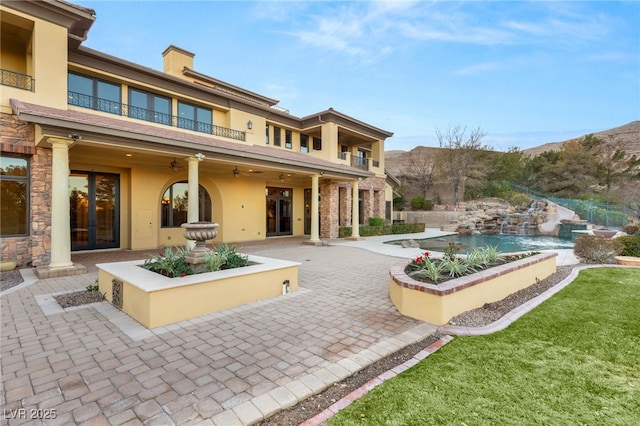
(105, 105)
(15, 79)
(359, 162)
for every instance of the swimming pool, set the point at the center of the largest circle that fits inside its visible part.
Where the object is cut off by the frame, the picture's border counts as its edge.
(506, 243)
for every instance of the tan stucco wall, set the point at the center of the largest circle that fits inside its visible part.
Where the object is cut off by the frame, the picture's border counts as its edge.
(170, 305)
(48, 66)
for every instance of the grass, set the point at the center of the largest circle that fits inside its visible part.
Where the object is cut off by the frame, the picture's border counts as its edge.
(575, 359)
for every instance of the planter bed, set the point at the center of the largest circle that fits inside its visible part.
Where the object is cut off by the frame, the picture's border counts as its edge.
(628, 260)
(155, 300)
(437, 304)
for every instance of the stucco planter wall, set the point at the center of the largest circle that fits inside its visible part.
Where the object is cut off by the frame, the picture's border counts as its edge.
(437, 304)
(155, 300)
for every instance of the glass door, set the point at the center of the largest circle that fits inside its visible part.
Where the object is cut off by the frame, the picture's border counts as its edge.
(94, 207)
(279, 211)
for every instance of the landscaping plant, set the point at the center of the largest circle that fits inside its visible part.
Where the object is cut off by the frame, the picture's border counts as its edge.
(172, 262)
(432, 270)
(594, 249)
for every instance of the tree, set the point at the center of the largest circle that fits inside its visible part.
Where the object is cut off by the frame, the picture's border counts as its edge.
(574, 174)
(420, 168)
(457, 155)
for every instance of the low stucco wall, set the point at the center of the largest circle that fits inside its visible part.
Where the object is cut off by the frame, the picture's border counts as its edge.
(437, 304)
(431, 218)
(155, 300)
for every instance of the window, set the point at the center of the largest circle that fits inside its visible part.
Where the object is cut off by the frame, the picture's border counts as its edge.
(14, 196)
(149, 107)
(266, 134)
(304, 143)
(277, 135)
(175, 203)
(89, 92)
(288, 138)
(193, 117)
(317, 144)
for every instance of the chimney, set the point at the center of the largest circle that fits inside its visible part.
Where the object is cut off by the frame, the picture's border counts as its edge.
(175, 59)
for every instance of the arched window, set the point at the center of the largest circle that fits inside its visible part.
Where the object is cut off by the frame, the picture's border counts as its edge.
(175, 203)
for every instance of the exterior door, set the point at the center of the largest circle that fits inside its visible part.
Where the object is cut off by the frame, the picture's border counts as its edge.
(279, 211)
(94, 210)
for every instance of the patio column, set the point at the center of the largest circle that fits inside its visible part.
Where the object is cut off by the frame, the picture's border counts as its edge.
(194, 189)
(61, 228)
(315, 224)
(355, 212)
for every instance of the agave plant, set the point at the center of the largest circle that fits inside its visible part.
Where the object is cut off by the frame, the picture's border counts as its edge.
(476, 260)
(170, 263)
(214, 261)
(429, 270)
(492, 254)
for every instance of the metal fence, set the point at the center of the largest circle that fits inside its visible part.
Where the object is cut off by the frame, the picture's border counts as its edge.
(597, 213)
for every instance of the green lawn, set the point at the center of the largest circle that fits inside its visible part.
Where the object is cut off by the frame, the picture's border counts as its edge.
(575, 359)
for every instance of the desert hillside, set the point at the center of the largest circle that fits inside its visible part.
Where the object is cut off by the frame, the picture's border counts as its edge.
(629, 134)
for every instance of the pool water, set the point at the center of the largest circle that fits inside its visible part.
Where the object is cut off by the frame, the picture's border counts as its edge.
(505, 243)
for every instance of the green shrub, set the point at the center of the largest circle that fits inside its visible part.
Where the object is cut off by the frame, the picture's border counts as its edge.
(232, 259)
(594, 249)
(417, 203)
(376, 221)
(421, 203)
(630, 245)
(344, 231)
(396, 228)
(517, 198)
(170, 263)
(407, 228)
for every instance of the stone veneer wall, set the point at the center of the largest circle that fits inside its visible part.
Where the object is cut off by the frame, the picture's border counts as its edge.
(335, 204)
(329, 209)
(17, 138)
(375, 187)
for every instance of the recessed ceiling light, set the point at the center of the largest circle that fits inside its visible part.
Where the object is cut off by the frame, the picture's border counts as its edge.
(129, 155)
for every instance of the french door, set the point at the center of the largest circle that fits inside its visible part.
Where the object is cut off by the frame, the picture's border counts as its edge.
(279, 211)
(94, 210)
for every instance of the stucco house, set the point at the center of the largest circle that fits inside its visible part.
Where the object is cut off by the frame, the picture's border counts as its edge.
(102, 153)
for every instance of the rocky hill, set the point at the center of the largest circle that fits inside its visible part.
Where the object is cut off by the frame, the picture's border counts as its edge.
(629, 134)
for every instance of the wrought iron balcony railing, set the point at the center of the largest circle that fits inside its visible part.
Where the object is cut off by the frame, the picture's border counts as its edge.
(15, 79)
(105, 105)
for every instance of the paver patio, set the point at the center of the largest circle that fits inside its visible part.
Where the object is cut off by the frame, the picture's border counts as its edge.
(94, 365)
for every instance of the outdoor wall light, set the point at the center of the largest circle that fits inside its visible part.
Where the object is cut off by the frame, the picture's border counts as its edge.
(175, 166)
(249, 125)
(199, 156)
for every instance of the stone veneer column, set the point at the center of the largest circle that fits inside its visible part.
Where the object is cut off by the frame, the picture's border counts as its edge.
(193, 188)
(355, 212)
(315, 224)
(60, 227)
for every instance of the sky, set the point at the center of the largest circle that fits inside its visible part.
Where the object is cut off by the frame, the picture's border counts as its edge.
(524, 73)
